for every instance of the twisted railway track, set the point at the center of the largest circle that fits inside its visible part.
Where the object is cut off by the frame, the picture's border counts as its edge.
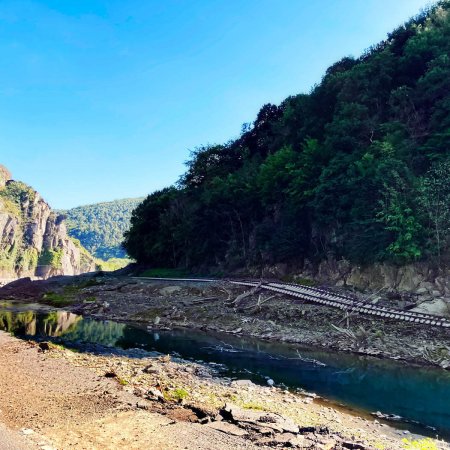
(328, 298)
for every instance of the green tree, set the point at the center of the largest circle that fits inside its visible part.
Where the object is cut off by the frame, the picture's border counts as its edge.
(435, 200)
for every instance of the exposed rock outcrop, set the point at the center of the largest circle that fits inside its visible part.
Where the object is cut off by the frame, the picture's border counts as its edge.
(5, 175)
(420, 282)
(33, 238)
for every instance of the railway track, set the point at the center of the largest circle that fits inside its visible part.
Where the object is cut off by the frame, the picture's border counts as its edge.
(327, 298)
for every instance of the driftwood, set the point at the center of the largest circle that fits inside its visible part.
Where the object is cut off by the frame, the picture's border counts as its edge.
(236, 302)
(199, 301)
(345, 332)
(226, 292)
(260, 302)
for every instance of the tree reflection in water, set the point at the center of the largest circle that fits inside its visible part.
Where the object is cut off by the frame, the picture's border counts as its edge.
(30, 323)
(61, 324)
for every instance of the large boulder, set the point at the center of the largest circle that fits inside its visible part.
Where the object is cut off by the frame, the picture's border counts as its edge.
(438, 307)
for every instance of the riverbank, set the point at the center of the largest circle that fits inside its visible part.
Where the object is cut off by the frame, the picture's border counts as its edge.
(225, 307)
(140, 401)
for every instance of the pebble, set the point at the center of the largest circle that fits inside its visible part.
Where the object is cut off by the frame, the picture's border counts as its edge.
(26, 431)
(242, 383)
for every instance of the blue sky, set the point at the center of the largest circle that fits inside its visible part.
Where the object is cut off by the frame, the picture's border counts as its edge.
(103, 99)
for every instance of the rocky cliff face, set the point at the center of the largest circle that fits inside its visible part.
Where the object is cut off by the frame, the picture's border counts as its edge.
(34, 239)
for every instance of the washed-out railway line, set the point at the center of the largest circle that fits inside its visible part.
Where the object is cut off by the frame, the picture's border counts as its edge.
(328, 298)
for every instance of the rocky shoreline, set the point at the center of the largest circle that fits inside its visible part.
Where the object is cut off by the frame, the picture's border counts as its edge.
(278, 318)
(196, 392)
(158, 402)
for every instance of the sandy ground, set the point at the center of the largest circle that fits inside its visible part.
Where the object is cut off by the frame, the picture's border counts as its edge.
(70, 407)
(11, 440)
(60, 399)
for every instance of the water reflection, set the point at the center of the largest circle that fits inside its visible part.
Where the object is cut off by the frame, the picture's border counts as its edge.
(27, 323)
(60, 324)
(419, 394)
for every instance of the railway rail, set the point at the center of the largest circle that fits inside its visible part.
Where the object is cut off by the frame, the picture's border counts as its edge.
(325, 297)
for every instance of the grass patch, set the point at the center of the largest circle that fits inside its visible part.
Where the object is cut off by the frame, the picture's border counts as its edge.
(420, 444)
(178, 395)
(112, 264)
(164, 273)
(55, 299)
(75, 288)
(302, 281)
(253, 405)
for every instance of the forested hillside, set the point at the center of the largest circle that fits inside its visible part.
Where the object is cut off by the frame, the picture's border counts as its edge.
(357, 169)
(100, 227)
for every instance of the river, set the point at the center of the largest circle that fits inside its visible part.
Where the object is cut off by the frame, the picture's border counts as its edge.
(420, 395)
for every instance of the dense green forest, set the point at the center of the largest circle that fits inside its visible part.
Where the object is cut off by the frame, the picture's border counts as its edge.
(100, 228)
(358, 168)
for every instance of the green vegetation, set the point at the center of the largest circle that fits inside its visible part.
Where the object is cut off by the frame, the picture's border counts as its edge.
(18, 193)
(51, 257)
(421, 444)
(112, 264)
(57, 299)
(178, 394)
(15, 255)
(100, 227)
(356, 169)
(165, 273)
(68, 294)
(8, 257)
(29, 258)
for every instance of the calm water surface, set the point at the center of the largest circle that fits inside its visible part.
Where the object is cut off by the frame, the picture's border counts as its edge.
(418, 394)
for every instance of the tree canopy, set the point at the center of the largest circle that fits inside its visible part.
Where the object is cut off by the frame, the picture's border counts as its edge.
(100, 227)
(358, 168)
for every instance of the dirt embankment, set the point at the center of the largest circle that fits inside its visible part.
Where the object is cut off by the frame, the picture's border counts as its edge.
(58, 399)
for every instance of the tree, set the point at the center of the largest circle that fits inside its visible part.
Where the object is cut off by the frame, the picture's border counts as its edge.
(435, 200)
(400, 219)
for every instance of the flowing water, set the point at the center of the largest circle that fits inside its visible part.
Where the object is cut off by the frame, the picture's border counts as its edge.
(417, 394)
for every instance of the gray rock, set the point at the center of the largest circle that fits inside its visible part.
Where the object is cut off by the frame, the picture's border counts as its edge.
(26, 431)
(260, 419)
(242, 383)
(227, 428)
(437, 307)
(154, 394)
(170, 290)
(445, 364)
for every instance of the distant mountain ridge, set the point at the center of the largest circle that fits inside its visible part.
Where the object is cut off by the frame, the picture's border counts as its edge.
(100, 226)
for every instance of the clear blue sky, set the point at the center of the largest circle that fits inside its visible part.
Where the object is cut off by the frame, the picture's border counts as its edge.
(103, 99)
